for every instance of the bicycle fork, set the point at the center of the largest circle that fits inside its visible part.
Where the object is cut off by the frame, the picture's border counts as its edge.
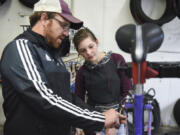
(138, 106)
(149, 108)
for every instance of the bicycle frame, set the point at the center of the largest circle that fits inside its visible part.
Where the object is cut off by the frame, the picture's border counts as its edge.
(139, 108)
(139, 74)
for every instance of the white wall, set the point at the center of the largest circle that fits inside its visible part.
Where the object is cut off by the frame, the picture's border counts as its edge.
(11, 20)
(104, 17)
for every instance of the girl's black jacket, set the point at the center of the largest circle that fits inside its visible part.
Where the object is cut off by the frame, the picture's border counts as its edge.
(36, 91)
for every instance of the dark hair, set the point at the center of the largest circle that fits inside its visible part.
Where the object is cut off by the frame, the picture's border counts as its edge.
(35, 17)
(81, 35)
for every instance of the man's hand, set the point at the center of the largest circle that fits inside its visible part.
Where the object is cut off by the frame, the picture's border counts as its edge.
(111, 131)
(113, 118)
(122, 119)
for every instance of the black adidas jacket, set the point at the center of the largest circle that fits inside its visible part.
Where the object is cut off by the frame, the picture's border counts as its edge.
(36, 91)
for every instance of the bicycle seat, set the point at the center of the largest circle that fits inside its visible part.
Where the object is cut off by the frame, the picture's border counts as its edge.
(139, 40)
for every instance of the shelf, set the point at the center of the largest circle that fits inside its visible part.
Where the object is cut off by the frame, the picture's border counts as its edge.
(71, 56)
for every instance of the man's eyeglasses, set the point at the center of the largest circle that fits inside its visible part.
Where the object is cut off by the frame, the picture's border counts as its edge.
(64, 25)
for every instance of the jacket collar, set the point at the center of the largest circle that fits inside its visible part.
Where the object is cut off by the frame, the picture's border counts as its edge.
(36, 38)
(102, 62)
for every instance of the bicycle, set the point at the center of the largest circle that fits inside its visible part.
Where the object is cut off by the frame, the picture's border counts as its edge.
(139, 40)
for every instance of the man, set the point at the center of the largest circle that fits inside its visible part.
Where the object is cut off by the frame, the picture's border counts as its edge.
(36, 90)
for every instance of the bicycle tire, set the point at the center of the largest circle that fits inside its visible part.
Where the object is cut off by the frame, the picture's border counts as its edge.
(29, 3)
(176, 112)
(140, 17)
(2, 1)
(177, 8)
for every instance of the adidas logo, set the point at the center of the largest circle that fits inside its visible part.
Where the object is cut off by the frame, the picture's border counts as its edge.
(48, 58)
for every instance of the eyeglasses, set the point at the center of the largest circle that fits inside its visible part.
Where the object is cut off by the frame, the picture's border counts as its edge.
(64, 25)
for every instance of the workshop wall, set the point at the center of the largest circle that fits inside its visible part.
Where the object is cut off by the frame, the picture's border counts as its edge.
(12, 15)
(104, 17)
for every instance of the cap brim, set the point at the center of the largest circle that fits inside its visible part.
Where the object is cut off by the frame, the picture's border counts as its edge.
(75, 23)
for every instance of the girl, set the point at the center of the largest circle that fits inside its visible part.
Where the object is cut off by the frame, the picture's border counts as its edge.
(99, 76)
